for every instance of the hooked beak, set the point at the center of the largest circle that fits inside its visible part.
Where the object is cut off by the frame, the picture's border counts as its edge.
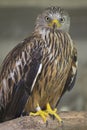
(55, 23)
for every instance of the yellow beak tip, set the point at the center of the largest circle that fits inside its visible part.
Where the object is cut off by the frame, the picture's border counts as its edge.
(55, 22)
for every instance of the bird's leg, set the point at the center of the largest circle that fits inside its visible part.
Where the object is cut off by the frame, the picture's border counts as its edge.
(53, 112)
(40, 112)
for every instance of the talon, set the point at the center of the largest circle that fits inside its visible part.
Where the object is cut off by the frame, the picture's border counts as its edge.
(41, 113)
(53, 112)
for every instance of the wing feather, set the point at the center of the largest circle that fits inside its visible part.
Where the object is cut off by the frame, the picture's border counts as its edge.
(72, 73)
(19, 72)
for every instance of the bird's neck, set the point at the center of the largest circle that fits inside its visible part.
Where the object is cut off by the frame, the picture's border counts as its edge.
(49, 37)
(44, 33)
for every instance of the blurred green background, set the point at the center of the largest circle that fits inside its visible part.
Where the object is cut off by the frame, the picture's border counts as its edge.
(17, 18)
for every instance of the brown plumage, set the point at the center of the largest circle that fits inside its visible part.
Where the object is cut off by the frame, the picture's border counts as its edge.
(40, 68)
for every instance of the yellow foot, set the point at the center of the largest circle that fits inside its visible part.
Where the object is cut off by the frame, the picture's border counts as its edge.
(53, 112)
(41, 113)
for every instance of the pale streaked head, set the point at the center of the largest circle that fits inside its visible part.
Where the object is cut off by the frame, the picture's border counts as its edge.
(54, 18)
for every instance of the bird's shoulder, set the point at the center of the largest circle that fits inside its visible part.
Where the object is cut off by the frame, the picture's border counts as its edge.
(25, 49)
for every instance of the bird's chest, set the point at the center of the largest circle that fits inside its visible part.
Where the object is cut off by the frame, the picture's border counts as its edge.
(49, 85)
(50, 82)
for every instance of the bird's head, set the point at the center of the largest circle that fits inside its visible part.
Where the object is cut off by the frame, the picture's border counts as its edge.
(54, 18)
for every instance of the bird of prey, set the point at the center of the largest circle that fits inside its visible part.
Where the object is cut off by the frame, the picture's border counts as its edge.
(40, 69)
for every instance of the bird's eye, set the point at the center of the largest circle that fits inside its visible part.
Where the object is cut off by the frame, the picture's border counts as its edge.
(62, 20)
(47, 18)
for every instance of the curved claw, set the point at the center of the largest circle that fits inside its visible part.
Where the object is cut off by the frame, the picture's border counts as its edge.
(45, 113)
(53, 112)
(41, 113)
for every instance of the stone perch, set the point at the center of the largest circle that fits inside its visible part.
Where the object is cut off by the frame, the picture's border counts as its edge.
(71, 121)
